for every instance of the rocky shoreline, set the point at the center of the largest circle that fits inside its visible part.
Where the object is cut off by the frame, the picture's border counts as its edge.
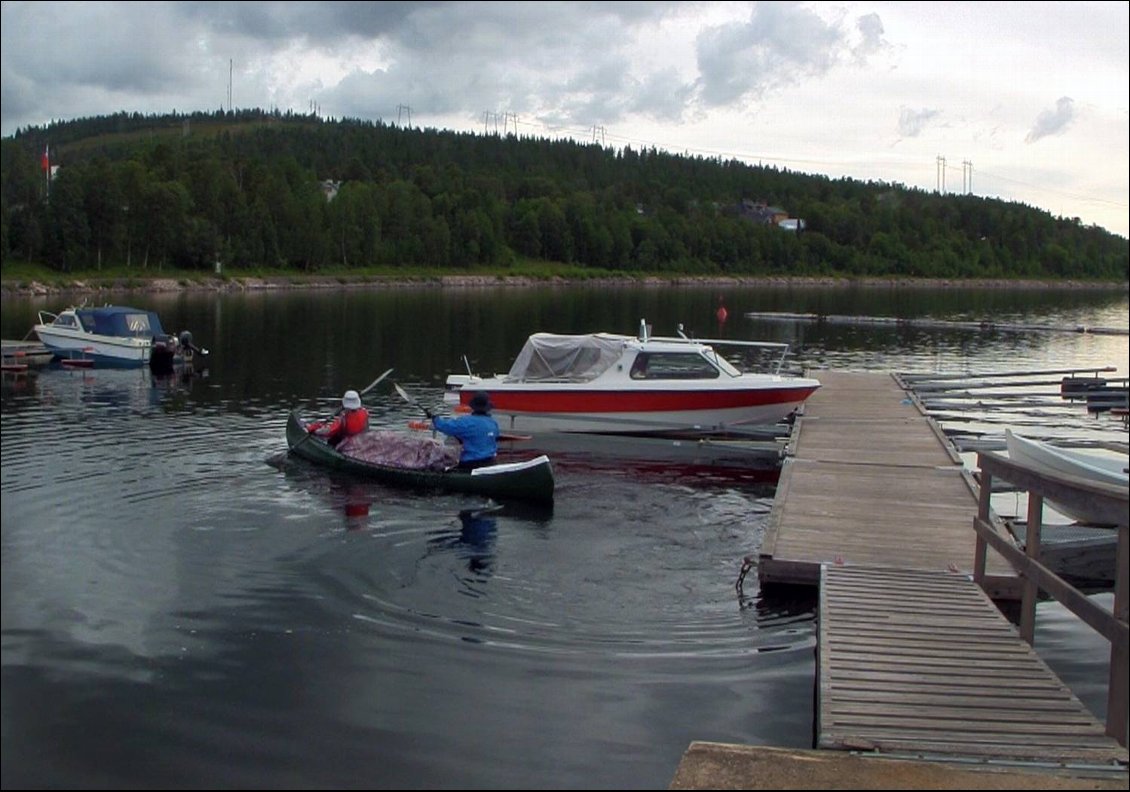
(281, 283)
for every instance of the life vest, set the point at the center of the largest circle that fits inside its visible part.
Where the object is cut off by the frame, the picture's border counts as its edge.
(355, 421)
(347, 424)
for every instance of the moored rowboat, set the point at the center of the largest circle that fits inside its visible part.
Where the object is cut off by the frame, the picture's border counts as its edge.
(529, 480)
(1048, 458)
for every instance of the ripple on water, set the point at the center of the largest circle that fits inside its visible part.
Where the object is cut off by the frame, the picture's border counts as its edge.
(627, 570)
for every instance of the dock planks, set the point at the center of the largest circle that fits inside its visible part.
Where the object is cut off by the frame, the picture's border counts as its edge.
(914, 657)
(924, 663)
(870, 481)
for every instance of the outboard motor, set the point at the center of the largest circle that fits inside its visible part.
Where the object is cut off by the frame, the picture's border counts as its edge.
(162, 353)
(191, 352)
(186, 340)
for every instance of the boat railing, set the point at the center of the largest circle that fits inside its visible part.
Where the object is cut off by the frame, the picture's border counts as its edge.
(46, 317)
(1109, 503)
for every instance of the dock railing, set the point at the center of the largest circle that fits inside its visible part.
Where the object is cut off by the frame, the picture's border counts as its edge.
(1111, 505)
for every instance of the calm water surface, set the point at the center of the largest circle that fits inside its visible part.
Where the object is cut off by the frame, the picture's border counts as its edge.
(185, 606)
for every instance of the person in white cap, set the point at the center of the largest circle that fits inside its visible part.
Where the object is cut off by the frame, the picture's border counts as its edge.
(351, 419)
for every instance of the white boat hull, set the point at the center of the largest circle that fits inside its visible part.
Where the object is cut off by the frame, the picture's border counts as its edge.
(1090, 467)
(105, 349)
(756, 401)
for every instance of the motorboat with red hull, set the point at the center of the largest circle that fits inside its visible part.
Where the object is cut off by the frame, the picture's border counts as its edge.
(603, 383)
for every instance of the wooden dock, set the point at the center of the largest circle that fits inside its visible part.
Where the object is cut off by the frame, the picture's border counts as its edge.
(19, 356)
(870, 481)
(914, 657)
(919, 663)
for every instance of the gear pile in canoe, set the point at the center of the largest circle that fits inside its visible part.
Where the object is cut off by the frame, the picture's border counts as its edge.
(422, 462)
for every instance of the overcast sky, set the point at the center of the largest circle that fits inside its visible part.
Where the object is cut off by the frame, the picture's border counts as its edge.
(1024, 101)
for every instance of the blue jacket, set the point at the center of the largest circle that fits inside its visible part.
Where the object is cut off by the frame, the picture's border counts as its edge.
(477, 432)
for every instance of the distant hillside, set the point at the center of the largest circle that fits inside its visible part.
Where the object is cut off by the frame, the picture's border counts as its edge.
(257, 189)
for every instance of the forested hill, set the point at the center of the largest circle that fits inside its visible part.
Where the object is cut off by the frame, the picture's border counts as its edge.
(256, 189)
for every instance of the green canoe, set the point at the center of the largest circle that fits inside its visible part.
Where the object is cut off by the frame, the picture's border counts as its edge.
(531, 480)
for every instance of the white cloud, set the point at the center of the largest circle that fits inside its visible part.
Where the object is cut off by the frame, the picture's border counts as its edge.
(1053, 122)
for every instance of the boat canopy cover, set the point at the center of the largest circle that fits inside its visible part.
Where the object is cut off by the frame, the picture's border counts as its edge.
(577, 358)
(120, 321)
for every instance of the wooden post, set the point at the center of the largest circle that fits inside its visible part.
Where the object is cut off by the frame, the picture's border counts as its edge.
(980, 553)
(1031, 593)
(1118, 686)
(1111, 624)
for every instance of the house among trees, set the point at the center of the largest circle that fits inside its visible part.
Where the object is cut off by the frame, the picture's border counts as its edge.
(330, 188)
(763, 214)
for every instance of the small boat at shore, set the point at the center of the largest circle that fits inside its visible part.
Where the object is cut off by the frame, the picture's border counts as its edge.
(1048, 458)
(602, 383)
(410, 465)
(115, 335)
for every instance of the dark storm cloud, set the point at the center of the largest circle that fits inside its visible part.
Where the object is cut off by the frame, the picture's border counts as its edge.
(316, 22)
(572, 62)
(563, 62)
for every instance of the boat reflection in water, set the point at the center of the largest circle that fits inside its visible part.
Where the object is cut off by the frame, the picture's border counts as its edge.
(116, 389)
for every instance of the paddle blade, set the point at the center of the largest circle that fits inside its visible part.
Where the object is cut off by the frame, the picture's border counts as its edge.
(376, 382)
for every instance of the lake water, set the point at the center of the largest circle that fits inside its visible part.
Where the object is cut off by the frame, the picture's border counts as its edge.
(185, 606)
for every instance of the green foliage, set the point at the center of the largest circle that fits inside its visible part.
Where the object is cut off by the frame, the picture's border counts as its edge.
(295, 194)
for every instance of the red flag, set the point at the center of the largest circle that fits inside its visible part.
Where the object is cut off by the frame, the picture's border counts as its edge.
(46, 161)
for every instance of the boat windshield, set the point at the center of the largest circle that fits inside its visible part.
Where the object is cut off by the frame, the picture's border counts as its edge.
(672, 365)
(575, 358)
(120, 321)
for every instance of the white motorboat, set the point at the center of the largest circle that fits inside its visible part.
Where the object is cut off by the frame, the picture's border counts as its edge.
(603, 383)
(113, 335)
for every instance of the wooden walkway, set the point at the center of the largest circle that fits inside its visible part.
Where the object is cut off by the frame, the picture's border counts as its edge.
(924, 663)
(914, 657)
(870, 481)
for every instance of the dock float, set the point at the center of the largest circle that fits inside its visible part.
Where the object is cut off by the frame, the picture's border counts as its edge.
(19, 356)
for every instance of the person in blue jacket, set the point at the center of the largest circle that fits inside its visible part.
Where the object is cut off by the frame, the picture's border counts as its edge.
(478, 432)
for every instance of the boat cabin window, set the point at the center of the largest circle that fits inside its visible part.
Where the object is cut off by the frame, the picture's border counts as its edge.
(138, 324)
(66, 320)
(672, 365)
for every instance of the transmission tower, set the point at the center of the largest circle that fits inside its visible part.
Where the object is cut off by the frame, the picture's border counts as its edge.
(941, 173)
(405, 111)
(966, 180)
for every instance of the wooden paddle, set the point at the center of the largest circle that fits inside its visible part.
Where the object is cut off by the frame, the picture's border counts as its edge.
(404, 395)
(503, 437)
